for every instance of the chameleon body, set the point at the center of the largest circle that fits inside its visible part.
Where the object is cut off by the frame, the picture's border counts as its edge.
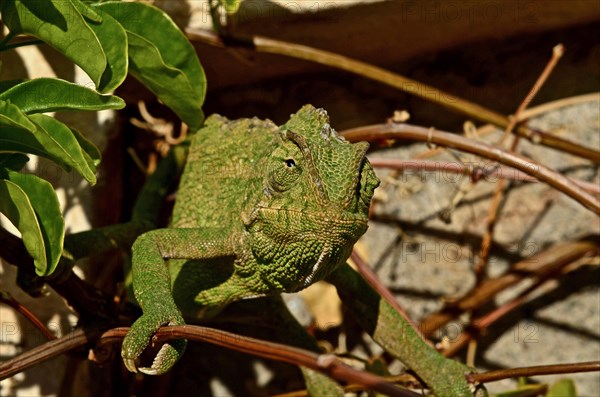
(260, 210)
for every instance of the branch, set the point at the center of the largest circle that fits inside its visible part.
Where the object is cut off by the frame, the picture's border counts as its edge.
(45, 352)
(478, 326)
(324, 363)
(87, 300)
(528, 166)
(476, 111)
(489, 376)
(492, 376)
(494, 209)
(540, 266)
(487, 171)
(6, 298)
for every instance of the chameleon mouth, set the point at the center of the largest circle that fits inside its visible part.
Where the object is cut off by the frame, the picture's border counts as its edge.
(313, 242)
(321, 217)
(309, 278)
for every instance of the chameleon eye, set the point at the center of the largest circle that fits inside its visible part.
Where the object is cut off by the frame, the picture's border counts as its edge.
(290, 163)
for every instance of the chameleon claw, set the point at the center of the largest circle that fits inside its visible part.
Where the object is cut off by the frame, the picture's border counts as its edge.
(149, 371)
(130, 365)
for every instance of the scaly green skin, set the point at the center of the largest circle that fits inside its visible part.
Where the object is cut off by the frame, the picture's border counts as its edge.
(388, 328)
(260, 210)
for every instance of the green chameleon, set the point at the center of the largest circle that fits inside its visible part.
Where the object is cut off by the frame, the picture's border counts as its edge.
(262, 210)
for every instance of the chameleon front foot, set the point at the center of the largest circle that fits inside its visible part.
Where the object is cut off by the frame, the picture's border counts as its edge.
(139, 337)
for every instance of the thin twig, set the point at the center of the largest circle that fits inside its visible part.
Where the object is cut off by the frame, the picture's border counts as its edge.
(45, 352)
(476, 111)
(6, 298)
(489, 172)
(324, 363)
(492, 217)
(492, 376)
(540, 265)
(486, 243)
(479, 325)
(416, 133)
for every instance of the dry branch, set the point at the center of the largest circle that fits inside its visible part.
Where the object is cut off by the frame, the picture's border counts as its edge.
(324, 363)
(476, 111)
(415, 133)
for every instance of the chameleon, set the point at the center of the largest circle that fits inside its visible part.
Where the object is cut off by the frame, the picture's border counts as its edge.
(261, 210)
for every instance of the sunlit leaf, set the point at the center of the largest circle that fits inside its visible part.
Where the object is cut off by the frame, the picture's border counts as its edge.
(48, 95)
(231, 6)
(60, 24)
(12, 116)
(53, 140)
(162, 58)
(562, 388)
(90, 151)
(113, 39)
(61, 141)
(31, 205)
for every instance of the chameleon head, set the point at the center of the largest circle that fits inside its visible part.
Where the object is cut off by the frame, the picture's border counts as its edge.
(314, 203)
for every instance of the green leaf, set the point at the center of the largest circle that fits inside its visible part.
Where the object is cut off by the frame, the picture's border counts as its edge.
(12, 116)
(59, 140)
(88, 12)
(113, 39)
(562, 388)
(13, 161)
(49, 95)
(523, 391)
(90, 151)
(231, 6)
(162, 58)
(61, 25)
(31, 205)
(378, 367)
(51, 139)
